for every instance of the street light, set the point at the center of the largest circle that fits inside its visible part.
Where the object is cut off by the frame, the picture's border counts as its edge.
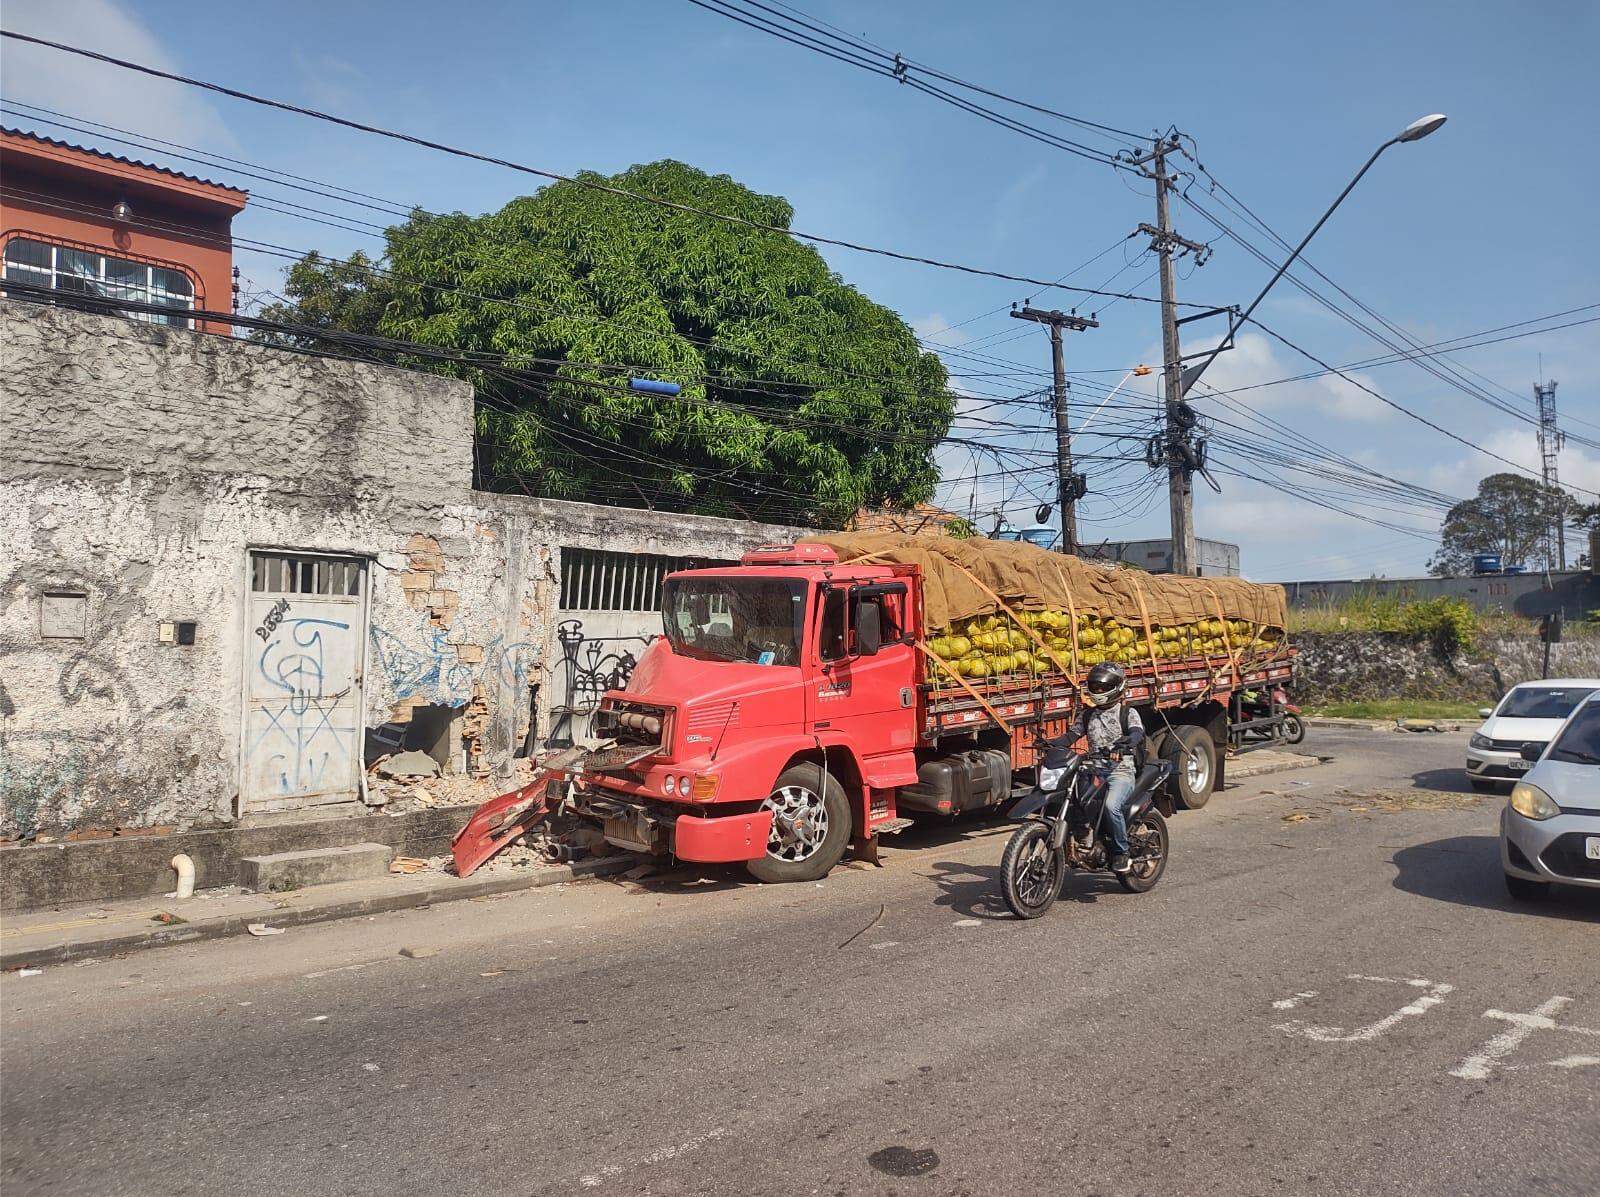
(1415, 131)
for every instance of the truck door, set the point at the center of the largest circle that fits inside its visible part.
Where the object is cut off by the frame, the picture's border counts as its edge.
(865, 698)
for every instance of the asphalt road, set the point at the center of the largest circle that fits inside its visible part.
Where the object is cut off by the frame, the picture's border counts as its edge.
(1328, 993)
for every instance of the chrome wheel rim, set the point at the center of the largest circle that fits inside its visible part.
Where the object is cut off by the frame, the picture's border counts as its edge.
(799, 823)
(1036, 873)
(1197, 771)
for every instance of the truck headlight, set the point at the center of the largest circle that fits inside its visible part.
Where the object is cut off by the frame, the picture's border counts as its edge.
(669, 784)
(1531, 802)
(1480, 741)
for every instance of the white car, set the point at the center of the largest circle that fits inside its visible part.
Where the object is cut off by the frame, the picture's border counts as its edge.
(1528, 714)
(1550, 829)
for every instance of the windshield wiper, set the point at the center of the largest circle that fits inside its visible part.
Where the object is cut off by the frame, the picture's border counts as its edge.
(1586, 758)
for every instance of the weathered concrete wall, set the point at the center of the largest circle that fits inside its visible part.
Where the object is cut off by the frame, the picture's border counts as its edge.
(1355, 666)
(145, 466)
(1574, 593)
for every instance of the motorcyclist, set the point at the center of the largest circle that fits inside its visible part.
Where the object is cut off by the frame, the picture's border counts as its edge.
(1111, 726)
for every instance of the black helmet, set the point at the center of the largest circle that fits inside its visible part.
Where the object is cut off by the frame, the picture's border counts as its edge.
(1105, 684)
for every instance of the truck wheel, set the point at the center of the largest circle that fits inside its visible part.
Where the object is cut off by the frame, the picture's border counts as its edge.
(810, 826)
(1194, 766)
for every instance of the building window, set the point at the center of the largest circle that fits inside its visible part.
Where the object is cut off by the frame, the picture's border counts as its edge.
(600, 580)
(70, 271)
(304, 573)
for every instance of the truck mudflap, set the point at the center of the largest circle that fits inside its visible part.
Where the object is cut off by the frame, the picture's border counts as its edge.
(499, 821)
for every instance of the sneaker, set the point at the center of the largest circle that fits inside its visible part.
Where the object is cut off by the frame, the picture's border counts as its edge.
(1121, 864)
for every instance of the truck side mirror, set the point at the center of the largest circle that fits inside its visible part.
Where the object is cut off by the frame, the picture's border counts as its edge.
(869, 629)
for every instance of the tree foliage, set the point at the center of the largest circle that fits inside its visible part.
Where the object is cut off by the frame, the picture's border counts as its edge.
(1511, 515)
(801, 399)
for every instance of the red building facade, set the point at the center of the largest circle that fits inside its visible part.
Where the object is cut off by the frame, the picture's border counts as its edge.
(79, 221)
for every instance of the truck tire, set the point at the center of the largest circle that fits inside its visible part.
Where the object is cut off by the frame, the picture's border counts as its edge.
(1194, 766)
(810, 826)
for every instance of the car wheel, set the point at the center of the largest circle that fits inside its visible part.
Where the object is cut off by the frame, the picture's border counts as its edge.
(1523, 890)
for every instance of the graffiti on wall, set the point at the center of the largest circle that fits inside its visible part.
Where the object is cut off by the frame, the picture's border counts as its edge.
(590, 665)
(422, 663)
(302, 706)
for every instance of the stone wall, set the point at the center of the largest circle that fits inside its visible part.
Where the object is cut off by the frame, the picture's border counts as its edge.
(139, 469)
(1355, 666)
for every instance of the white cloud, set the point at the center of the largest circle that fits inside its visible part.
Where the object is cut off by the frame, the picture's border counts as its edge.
(82, 87)
(936, 329)
(1254, 359)
(1576, 465)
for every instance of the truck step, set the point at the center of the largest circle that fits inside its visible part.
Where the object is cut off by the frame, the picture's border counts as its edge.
(892, 826)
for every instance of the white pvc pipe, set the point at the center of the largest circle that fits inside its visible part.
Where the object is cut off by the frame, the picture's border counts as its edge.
(185, 868)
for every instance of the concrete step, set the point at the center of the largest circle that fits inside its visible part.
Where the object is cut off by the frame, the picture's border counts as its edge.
(314, 866)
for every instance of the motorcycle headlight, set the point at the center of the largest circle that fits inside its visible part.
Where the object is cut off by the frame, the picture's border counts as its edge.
(1479, 740)
(1531, 802)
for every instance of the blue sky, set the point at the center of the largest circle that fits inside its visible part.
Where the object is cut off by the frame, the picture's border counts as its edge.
(1479, 226)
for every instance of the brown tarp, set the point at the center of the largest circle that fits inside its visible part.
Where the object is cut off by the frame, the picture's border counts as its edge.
(1032, 579)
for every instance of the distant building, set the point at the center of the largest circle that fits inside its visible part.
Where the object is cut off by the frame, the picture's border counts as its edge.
(81, 222)
(1213, 558)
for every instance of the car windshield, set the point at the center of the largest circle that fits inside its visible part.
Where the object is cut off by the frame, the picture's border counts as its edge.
(1542, 702)
(758, 620)
(1580, 742)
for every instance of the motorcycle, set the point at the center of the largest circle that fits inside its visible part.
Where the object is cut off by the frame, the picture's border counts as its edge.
(1253, 704)
(1061, 829)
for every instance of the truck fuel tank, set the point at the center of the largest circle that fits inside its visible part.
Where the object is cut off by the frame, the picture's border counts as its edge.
(962, 781)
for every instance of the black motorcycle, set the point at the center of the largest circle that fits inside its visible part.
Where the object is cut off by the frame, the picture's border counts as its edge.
(1062, 830)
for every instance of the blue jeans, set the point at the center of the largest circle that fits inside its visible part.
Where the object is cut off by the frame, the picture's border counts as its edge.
(1118, 789)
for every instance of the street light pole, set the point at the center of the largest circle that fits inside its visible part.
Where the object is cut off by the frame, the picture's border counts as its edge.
(1415, 131)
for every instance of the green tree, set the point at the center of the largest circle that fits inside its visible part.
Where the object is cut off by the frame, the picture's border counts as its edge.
(801, 399)
(1511, 515)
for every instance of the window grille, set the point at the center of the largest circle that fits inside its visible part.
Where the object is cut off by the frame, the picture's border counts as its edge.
(299, 573)
(600, 580)
(72, 271)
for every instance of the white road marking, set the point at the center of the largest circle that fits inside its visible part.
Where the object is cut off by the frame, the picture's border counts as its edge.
(1289, 1003)
(888, 943)
(1486, 1059)
(969, 922)
(593, 1180)
(1436, 994)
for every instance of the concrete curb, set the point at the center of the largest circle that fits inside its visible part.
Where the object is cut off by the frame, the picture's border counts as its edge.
(1449, 725)
(1243, 768)
(22, 956)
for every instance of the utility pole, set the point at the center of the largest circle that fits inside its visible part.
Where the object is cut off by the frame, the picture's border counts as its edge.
(1551, 441)
(1182, 457)
(1070, 487)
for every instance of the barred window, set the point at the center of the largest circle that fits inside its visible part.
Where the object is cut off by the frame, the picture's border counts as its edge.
(601, 580)
(69, 271)
(305, 573)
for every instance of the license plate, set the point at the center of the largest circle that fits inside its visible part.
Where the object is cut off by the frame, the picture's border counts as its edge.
(1521, 766)
(1591, 847)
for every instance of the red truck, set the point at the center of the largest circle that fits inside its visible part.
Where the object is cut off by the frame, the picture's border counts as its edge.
(790, 712)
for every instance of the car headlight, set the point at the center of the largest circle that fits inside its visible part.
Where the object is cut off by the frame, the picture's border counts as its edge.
(1531, 802)
(1480, 741)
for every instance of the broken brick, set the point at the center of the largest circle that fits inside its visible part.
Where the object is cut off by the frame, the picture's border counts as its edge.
(416, 580)
(470, 654)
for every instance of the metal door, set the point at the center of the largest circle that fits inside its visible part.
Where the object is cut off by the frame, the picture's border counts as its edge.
(303, 665)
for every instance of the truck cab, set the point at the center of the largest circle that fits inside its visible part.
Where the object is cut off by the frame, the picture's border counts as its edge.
(773, 720)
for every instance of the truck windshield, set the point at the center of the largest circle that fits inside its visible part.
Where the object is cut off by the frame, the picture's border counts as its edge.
(759, 620)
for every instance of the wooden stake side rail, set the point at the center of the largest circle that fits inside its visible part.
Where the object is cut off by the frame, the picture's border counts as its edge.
(947, 709)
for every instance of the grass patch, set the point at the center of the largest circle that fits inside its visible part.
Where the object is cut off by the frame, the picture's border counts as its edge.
(1401, 708)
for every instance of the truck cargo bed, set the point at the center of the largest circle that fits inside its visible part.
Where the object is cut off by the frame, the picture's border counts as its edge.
(949, 708)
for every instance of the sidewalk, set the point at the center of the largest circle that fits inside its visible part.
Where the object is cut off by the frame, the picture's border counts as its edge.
(52, 936)
(1395, 725)
(1269, 760)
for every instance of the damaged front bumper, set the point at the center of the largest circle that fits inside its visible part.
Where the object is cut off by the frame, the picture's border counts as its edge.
(654, 828)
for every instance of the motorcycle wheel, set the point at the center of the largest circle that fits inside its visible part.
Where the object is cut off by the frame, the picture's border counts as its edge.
(1294, 729)
(1031, 871)
(1147, 837)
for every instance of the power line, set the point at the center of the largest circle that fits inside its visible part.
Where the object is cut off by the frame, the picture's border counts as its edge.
(554, 176)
